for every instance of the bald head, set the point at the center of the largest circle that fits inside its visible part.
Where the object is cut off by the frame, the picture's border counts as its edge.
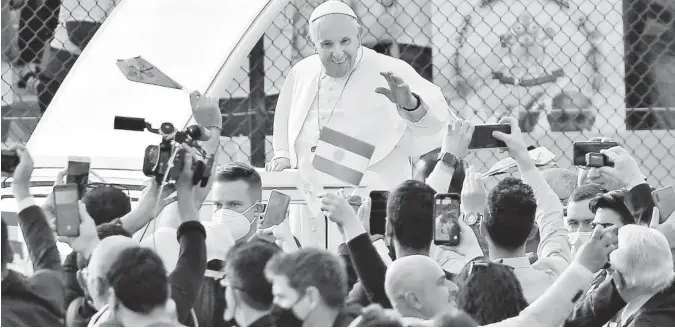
(106, 252)
(409, 273)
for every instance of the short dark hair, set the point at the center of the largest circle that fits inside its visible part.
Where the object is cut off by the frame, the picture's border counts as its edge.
(235, 171)
(313, 267)
(139, 279)
(7, 253)
(410, 211)
(511, 213)
(106, 203)
(104, 230)
(587, 192)
(477, 290)
(246, 272)
(613, 200)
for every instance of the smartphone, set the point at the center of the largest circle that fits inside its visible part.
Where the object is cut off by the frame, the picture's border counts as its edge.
(276, 209)
(587, 153)
(664, 199)
(482, 136)
(378, 211)
(67, 210)
(446, 219)
(10, 160)
(78, 173)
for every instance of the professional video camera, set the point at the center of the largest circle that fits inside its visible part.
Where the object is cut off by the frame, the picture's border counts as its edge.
(165, 162)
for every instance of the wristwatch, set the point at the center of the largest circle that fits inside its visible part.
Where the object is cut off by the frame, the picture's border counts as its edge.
(448, 158)
(473, 218)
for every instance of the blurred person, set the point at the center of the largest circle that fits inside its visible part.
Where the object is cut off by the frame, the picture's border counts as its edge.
(138, 288)
(579, 218)
(37, 300)
(417, 287)
(375, 315)
(509, 216)
(642, 270)
(610, 210)
(346, 75)
(309, 288)
(78, 21)
(489, 292)
(455, 318)
(594, 175)
(562, 181)
(37, 23)
(248, 293)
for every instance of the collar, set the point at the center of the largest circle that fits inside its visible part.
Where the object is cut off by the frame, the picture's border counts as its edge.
(634, 306)
(515, 262)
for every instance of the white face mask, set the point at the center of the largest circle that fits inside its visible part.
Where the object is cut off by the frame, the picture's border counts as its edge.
(237, 223)
(577, 239)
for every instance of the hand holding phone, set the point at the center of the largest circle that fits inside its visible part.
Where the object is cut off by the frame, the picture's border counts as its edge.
(446, 219)
(482, 136)
(277, 207)
(78, 173)
(67, 210)
(587, 153)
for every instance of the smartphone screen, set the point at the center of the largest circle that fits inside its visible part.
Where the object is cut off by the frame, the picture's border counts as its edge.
(276, 209)
(482, 136)
(446, 216)
(67, 211)
(378, 212)
(78, 173)
(582, 148)
(664, 199)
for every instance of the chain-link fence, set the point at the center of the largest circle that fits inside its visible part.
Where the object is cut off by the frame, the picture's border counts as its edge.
(568, 69)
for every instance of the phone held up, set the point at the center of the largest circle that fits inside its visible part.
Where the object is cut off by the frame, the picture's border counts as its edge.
(276, 209)
(482, 136)
(378, 211)
(446, 219)
(78, 173)
(10, 160)
(587, 153)
(67, 210)
(664, 199)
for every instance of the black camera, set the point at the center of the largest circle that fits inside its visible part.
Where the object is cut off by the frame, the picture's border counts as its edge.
(597, 160)
(165, 161)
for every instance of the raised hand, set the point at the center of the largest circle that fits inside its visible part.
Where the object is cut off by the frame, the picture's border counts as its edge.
(667, 228)
(626, 169)
(399, 92)
(457, 139)
(474, 195)
(278, 164)
(594, 255)
(206, 110)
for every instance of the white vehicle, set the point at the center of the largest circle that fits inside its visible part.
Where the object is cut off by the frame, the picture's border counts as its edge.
(200, 44)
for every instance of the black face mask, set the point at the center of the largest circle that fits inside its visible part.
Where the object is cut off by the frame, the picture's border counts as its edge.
(285, 317)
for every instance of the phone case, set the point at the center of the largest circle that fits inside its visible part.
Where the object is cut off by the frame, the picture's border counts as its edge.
(446, 229)
(276, 209)
(66, 210)
(482, 136)
(581, 148)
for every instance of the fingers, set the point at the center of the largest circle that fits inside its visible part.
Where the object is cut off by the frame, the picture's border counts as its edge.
(383, 91)
(60, 177)
(501, 136)
(510, 120)
(187, 162)
(612, 154)
(656, 217)
(597, 233)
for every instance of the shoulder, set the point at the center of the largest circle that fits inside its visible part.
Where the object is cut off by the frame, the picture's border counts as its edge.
(306, 63)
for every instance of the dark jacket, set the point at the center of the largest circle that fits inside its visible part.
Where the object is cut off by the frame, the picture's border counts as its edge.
(659, 311)
(35, 301)
(186, 278)
(73, 288)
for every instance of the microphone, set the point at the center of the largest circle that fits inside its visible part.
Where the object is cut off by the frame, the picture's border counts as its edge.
(130, 123)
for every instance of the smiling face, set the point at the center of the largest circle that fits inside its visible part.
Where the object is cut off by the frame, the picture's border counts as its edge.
(336, 39)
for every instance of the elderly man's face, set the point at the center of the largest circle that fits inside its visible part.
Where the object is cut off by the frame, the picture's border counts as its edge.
(336, 40)
(594, 176)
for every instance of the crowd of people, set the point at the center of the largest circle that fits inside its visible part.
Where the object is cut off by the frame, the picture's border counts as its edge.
(601, 249)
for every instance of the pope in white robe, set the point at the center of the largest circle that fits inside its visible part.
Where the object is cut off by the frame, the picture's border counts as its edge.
(375, 98)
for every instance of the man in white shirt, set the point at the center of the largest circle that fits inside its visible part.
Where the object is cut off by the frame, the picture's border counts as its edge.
(343, 86)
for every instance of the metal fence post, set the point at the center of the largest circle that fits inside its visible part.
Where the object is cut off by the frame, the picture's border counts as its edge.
(256, 100)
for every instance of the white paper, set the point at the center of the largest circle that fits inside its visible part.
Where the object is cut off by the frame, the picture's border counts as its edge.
(540, 156)
(310, 187)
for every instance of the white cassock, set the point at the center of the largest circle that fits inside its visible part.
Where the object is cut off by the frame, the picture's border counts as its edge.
(310, 100)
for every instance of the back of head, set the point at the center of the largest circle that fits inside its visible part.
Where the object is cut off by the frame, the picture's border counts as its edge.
(107, 251)
(238, 171)
(245, 269)
(313, 267)
(563, 182)
(403, 275)
(139, 280)
(643, 258)
(615, 201)
(489, 292)
(410, 212)
(511, 212)
(586, 192)
(104, 231)
(106, 203)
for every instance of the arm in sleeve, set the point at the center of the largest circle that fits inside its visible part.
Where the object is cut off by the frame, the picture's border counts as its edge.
(551, 309)
(186, 279)
(554, 248)
(640, 203)
(369, 267)
(281, 116)
(73, 288)
(441, 177)
(597, 307)
(38, 236)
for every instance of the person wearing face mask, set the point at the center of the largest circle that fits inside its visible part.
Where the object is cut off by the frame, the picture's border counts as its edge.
(344, 86)
(309, 287)
(579, 218)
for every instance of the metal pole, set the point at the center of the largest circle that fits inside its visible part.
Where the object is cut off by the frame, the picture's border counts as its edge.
(257, 122)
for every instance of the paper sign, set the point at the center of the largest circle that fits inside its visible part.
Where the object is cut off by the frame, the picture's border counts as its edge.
(139, 70)
(540, 156)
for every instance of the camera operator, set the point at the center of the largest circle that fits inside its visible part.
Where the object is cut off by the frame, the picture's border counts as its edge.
(37, 300)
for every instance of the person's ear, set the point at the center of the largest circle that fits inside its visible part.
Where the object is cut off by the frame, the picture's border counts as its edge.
(313, 297)
(359, 33)
(308, 37)
(413, 301)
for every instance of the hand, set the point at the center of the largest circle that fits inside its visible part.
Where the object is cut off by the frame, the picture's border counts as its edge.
(594, 255)
(468, 241)
(184, 180)
(626, 170)
(22, 173)
(149, 197)
(399, 92)
(86, 241)
(48, 205)
(281, 233)
(457, 138)
(278, 164)
(338, 210)
(515, 141)
(364, 213)
(206, 110)
(474, 195)
(667, 228)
